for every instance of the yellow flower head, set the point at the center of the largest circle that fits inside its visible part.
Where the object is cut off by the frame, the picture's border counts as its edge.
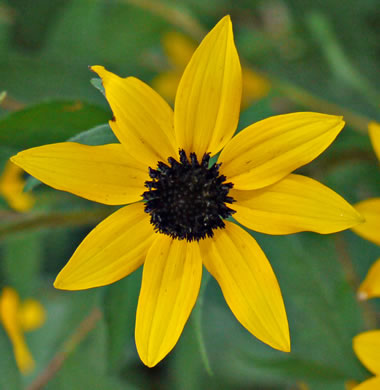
(367, 348)
(17, 318)
(11, 188)
(179, 49)
(181, 202)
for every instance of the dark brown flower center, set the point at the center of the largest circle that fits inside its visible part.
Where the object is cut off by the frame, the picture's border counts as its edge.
(187, 199)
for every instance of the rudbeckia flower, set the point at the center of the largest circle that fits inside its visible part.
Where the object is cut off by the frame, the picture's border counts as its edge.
(367, 348)
(179, 48)
(181, 203)
(11, 188)
(370, 230)
(19, 317)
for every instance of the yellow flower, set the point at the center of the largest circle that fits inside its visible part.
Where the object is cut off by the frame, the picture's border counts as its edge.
(163, 159)
(179, 49)
(370, 230)
(18, 318)
(367, 348)
(11, 188)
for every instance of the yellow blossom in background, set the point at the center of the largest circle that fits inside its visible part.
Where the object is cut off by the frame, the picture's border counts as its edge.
(367, 348)
(19, 317)
(370, 230)
(12, 186)
(163, 159)
(179, 49)
(370, 208)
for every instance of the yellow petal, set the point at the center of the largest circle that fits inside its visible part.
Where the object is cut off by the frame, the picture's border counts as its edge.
(179, 48)
(208, 97)
(166, 84)
(270, 149)
(370, 287)
(12, 186)
(104, 174)
(143, 120)
(370, 229)
(294, 204)
(31, 315)
(248, 283)
(114, 249)
(367, 348)
(9, 306)
(374, 134)
(170, 285)
(369, 384)
(255, 87)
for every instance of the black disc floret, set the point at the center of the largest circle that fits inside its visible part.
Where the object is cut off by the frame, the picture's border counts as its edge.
(187, 199)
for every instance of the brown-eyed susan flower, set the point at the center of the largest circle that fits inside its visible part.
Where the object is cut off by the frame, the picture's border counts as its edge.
(181, 202)
(179, 48)
(11, 188)
(367, 348)
(19, 317)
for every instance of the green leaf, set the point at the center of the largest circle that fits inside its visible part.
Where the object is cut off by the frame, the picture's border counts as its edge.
(49, 122)
(97, 83)
(99, 135)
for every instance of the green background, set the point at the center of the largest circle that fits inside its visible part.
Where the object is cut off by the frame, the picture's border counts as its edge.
(320, 56)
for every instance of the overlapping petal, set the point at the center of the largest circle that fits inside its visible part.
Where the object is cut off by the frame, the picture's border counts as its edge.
(294, 204)
(104, 174)
(370, 287)
(374, 134)
(112, 250)
(208, 97)
(170, 285)
(370, 229)
(269, 150)
(143, 120)
(248, 283)
(367, 348)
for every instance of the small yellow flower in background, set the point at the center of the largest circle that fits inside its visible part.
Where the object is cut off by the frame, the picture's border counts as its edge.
(367, 348)
(370, 208)
(179, 49)
(163, 159)
(19, 317)
(370, 230)
(12, 186)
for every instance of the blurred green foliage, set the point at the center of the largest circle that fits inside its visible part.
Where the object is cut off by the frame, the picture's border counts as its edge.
(321, 56)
